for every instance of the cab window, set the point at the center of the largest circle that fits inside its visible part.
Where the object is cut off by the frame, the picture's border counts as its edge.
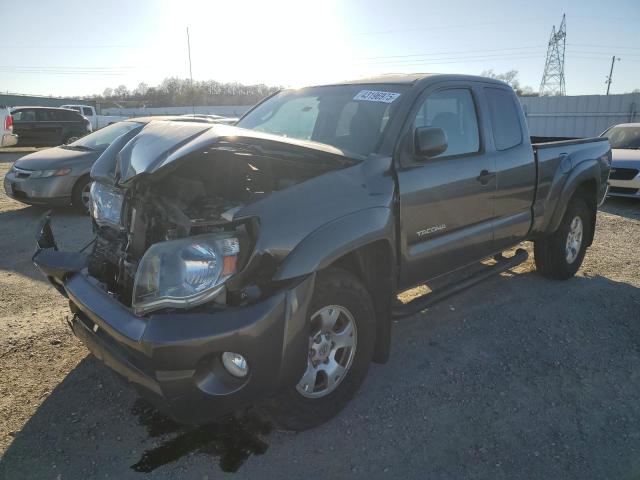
(453, 111)
(505, 119)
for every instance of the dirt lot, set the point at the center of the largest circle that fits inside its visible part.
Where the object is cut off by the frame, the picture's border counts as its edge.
(521, 377)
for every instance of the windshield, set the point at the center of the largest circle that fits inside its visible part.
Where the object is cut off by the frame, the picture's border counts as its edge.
(101, 139)
(627, 137)
(349, 117)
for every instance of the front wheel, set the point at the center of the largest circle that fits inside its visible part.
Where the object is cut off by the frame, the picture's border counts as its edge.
(341, 344)
(81, 194)
(560, 254)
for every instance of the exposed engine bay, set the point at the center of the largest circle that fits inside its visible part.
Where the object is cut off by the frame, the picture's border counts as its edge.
(203, 194)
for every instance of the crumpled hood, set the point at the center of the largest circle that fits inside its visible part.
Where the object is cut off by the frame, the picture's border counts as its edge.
(162, 144)
(56, 157)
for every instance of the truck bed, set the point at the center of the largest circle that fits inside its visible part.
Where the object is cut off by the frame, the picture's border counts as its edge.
(559, 143)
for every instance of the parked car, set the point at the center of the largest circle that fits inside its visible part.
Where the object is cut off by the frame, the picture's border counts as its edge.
(7, 137)
(44, 126)
(624, 180)
(261, 263)
(60, 176)
(215, 118)
(97, 121)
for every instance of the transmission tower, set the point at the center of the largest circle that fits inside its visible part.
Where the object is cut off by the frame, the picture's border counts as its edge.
(553, 76)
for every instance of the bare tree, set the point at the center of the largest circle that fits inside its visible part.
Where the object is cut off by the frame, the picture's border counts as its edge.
(510, 77)
(141, 90)
(121, 91)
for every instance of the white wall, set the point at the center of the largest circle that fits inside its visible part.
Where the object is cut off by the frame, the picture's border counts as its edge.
(225, 111)
(579, 116)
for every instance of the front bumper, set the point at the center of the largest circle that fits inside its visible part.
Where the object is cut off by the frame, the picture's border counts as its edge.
(624, 179)
(53, 191)
(625, 188)
(173, 357)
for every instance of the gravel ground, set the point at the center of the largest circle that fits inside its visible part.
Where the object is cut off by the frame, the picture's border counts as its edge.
(521, 377)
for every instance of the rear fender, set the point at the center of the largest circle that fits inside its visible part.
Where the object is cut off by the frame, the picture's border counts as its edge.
(583, 172)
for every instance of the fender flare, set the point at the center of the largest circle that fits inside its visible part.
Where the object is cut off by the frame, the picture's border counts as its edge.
(584, 171)
(332, 240)
(337, 238)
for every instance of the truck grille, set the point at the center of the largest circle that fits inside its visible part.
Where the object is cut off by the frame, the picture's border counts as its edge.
(623, 173)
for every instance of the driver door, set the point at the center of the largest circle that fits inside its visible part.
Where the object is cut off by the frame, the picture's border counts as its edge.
(446, 202)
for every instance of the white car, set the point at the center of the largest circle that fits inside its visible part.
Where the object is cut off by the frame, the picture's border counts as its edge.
(624, 179)
(97, 121)
(7, 137)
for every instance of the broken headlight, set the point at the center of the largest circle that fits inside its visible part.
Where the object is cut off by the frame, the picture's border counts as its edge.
(105, 204)
(184, 273)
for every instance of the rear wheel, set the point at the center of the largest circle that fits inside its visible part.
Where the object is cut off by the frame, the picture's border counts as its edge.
(80, 194)
(341, 344)
(560, 254)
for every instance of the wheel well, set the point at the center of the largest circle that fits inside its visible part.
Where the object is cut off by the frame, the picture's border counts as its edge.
(374, 265)
(588, 192)
(76, 185)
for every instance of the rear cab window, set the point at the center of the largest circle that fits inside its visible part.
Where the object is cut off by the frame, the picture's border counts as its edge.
(505, 118)
(86, 111)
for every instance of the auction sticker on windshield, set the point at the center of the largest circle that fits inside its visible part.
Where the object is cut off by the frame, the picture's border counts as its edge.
(376, 96)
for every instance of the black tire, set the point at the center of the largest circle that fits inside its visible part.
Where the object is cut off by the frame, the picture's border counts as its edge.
(551, 251)
(77, 194)
(293, 411)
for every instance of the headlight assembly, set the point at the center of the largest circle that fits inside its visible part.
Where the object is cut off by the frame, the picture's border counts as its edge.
(105, 204)
(184, 273)
(61, 172)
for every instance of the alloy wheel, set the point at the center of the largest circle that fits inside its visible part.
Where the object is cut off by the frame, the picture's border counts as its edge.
(332, 347)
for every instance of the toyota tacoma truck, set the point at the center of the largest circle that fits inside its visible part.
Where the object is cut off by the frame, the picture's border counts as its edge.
(260, 263)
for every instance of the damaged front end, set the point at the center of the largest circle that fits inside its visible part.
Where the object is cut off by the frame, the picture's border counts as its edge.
(173, 183)
(181, 270)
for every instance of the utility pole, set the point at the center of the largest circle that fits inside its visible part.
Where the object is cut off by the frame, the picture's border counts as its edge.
(610, 77)
(190, 72)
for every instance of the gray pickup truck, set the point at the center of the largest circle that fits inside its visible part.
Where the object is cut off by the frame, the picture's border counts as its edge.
(260, 263)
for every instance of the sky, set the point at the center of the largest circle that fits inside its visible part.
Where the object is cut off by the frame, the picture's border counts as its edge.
(81, 47)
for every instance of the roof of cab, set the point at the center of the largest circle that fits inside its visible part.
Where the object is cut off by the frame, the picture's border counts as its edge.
(414, 78)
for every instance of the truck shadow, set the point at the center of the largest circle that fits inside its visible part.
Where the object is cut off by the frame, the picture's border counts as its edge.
(92, 425)
(92, 408)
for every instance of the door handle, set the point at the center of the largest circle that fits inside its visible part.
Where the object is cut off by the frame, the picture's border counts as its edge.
(485, 176)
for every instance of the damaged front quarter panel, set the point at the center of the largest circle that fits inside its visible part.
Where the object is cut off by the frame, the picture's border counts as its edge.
(284, 198)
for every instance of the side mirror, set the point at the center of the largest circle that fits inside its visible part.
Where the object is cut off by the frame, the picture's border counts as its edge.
(430, 141)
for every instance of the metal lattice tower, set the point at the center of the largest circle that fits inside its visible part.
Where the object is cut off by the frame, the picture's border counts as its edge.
(553, 76)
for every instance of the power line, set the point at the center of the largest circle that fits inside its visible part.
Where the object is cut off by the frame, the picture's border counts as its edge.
(450, 26)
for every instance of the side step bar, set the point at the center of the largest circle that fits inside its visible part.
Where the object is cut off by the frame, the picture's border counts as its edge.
(503, 264)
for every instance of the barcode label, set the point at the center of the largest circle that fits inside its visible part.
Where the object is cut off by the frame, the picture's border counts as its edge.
(375, 96)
